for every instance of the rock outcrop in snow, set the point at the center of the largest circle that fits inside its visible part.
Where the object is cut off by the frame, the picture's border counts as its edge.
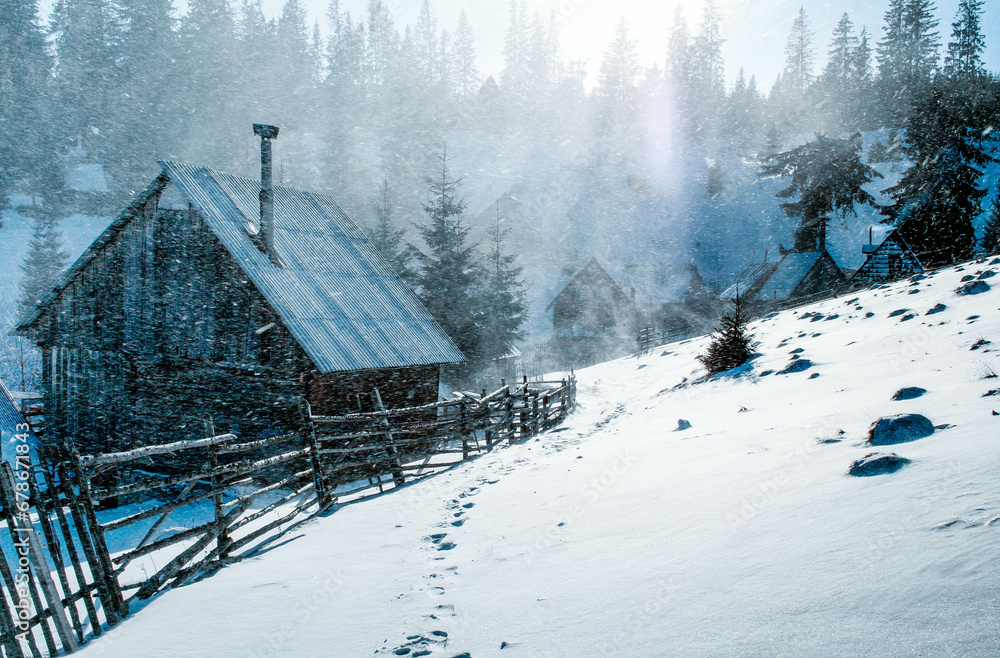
(903, 428)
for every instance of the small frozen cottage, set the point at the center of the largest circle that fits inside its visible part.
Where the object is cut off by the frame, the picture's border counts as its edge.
(217, 298)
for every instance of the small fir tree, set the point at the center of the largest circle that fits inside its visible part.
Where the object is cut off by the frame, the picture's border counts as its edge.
(44, 262)
(732, 345)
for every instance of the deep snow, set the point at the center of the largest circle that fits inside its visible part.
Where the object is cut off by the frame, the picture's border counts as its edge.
(616, 535)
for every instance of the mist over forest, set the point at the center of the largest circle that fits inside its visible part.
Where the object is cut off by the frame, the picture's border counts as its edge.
(651, 170)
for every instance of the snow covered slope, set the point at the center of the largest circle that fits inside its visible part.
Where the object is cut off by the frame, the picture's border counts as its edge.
(616, 535)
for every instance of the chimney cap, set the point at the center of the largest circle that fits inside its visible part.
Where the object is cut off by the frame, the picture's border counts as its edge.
(265, 131)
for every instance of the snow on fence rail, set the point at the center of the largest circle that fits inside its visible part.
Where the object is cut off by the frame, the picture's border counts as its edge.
(77, 587)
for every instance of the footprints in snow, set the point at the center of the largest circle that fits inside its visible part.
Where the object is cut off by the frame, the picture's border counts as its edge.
(434, 642)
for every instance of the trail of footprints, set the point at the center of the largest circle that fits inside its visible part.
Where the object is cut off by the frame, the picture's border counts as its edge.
(435, 642)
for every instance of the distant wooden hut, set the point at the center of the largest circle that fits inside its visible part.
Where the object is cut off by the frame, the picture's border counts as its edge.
(798, 277)
(221, 301)
(889, 261)
(593, 319)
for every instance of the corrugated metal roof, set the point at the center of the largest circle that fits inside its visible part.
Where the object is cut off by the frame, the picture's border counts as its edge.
(789, 274)
(746, 279)
(337, 296)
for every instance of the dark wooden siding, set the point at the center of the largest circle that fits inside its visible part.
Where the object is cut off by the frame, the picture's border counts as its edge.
(161, 331)
(891, 261)
(347, 392)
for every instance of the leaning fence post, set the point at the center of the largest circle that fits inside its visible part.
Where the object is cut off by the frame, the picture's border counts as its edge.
(42, 571)
(309, 438)
(223, 540)
(394, 465)
(115, 608)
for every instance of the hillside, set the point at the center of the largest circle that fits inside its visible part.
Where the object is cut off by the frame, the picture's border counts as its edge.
(617, 535)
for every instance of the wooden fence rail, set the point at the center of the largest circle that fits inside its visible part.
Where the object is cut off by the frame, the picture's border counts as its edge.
(78, 587)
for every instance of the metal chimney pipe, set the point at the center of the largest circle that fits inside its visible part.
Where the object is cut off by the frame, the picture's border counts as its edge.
(267, 133)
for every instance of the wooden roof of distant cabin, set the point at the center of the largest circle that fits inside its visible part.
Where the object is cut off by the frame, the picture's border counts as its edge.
(337, 296)
(594, 273)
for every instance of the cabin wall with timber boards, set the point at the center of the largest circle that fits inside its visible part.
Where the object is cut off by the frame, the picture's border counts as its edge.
(338, 393)
(161, 330)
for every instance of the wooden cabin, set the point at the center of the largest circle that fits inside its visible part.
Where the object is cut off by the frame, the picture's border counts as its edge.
(889, 261)
(218, 303)
(800, 276)
(593, 319)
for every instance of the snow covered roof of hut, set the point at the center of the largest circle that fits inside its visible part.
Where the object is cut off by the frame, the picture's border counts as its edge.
(337, 296)
(747, 278)
(789, 274)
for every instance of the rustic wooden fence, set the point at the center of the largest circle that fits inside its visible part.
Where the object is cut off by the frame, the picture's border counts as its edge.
(235, 495)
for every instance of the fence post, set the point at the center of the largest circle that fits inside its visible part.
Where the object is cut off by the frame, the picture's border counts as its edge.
(223, 540)
(114, 608)
(463, 430)
(534, 414)
(397, 471)
(309, 438)
(42, 572)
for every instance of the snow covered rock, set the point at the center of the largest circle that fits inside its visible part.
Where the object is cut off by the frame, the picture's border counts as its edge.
(877, 464)
(899, 429)
(973, 288)
(796, 365)
(908, 393)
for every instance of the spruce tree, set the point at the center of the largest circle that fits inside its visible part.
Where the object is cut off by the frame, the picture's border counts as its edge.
(514, 77)
(207, 76)
(448, 271)
(862, 114)
(828, 176)
(964, 58)
(44, 262)
(502, 295)
(838, 81)
(908, 54)
(466, 73)
(732, 345)
(385, 236)
(990, 242)
(679, 71)
(85, 36)
(425, 46)
(619, 74)
(146, 128)
(27, 147)
(799, 57)
(708, 81)
(937, 199)
(381, 45)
